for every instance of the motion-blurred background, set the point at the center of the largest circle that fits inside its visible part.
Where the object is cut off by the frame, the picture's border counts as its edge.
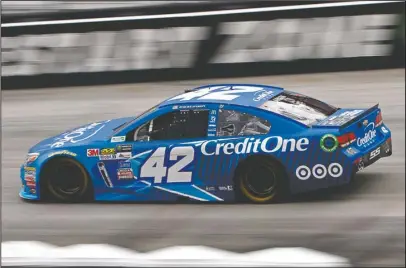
(67, 63)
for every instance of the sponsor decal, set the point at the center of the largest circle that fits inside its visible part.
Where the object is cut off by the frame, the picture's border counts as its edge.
(64, 152)
(258, 96)
(188, 106)
(125, 174)
(107, 151)
(210, 188)
(118, 139)
(370, 134)
(124, 148)
(340, 119)
(104, 174)
(211, 135)
(226, 188)
(31, 184)
(303, 173)
(361, 165)
(124, 155)
(375, 153)
(29, 173)
(212, 119)
(29, 178)
(213, 112)
(251, 145)
(387, 145)
(351, 151)
(124, 164)
(224, 93)
(33, 191)
(211, 130)
(78, 135)
(319, 171)
(384, 130)
(31, 157)
(365, 122)
(107, 157)
(92, 152)
(329, 143)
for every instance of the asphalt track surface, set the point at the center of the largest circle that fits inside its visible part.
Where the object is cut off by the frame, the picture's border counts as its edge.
(364, 222)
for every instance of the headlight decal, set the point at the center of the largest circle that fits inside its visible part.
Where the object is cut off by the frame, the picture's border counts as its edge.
(31, 157)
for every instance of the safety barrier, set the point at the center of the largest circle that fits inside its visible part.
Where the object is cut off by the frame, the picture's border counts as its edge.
(37, 254)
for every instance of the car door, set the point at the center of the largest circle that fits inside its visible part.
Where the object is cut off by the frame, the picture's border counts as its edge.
(162, 151)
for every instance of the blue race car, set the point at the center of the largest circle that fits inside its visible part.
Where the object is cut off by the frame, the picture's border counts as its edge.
(222, 142)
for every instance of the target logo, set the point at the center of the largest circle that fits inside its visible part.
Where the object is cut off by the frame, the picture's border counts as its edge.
(303, 173)
(319, 171)
(335, 170)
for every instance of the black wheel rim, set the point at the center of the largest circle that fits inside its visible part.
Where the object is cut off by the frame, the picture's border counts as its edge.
(67, 179)
(260, 180)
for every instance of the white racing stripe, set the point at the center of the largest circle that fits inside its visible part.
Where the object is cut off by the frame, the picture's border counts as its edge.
(32, 253)
(138, 155)
(179, 193)
(210, 194)
(195, 14)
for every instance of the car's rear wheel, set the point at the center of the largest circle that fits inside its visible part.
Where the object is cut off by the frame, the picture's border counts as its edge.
(65, 180)
(260, 179)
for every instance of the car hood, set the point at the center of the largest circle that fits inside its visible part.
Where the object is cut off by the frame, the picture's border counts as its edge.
(96, 131)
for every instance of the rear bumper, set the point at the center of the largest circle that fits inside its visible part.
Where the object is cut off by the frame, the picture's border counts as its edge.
(382, 150)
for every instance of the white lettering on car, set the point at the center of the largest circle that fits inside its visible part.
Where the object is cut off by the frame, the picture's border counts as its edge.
(369, 135)
(78, 135)
(252, 145)
(217, 93)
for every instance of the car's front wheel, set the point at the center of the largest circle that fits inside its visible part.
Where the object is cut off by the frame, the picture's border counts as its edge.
(65, 180)
(260, 179)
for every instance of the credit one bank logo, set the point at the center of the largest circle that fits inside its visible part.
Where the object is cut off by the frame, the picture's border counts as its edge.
(252, 145)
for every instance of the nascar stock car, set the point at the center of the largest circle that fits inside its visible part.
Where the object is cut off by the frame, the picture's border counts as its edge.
(222, 142)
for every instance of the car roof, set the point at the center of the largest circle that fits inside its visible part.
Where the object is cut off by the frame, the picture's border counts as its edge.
(251, 95)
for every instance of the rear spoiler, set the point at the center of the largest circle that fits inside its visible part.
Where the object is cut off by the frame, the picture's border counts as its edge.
(346, 124)
(231, 85)
(349, 122)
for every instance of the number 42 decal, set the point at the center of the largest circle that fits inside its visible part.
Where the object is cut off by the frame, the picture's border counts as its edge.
(155, 167)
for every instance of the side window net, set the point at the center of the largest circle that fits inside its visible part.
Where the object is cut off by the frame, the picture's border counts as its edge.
(234, 123)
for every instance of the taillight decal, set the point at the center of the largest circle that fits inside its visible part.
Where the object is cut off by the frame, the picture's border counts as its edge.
(346, 139)
(378, 119)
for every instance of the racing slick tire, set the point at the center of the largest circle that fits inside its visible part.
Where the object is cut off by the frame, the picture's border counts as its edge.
(261, 179)
(65, 180)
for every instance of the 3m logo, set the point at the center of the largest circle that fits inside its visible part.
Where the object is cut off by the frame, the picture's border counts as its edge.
(92, 152)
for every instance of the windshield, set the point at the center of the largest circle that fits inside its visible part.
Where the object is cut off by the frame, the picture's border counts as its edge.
(298, 107)
(135, 118)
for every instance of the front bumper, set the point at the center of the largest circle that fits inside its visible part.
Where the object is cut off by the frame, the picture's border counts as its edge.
(29, 186)
(373, 155)
(27, 195)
